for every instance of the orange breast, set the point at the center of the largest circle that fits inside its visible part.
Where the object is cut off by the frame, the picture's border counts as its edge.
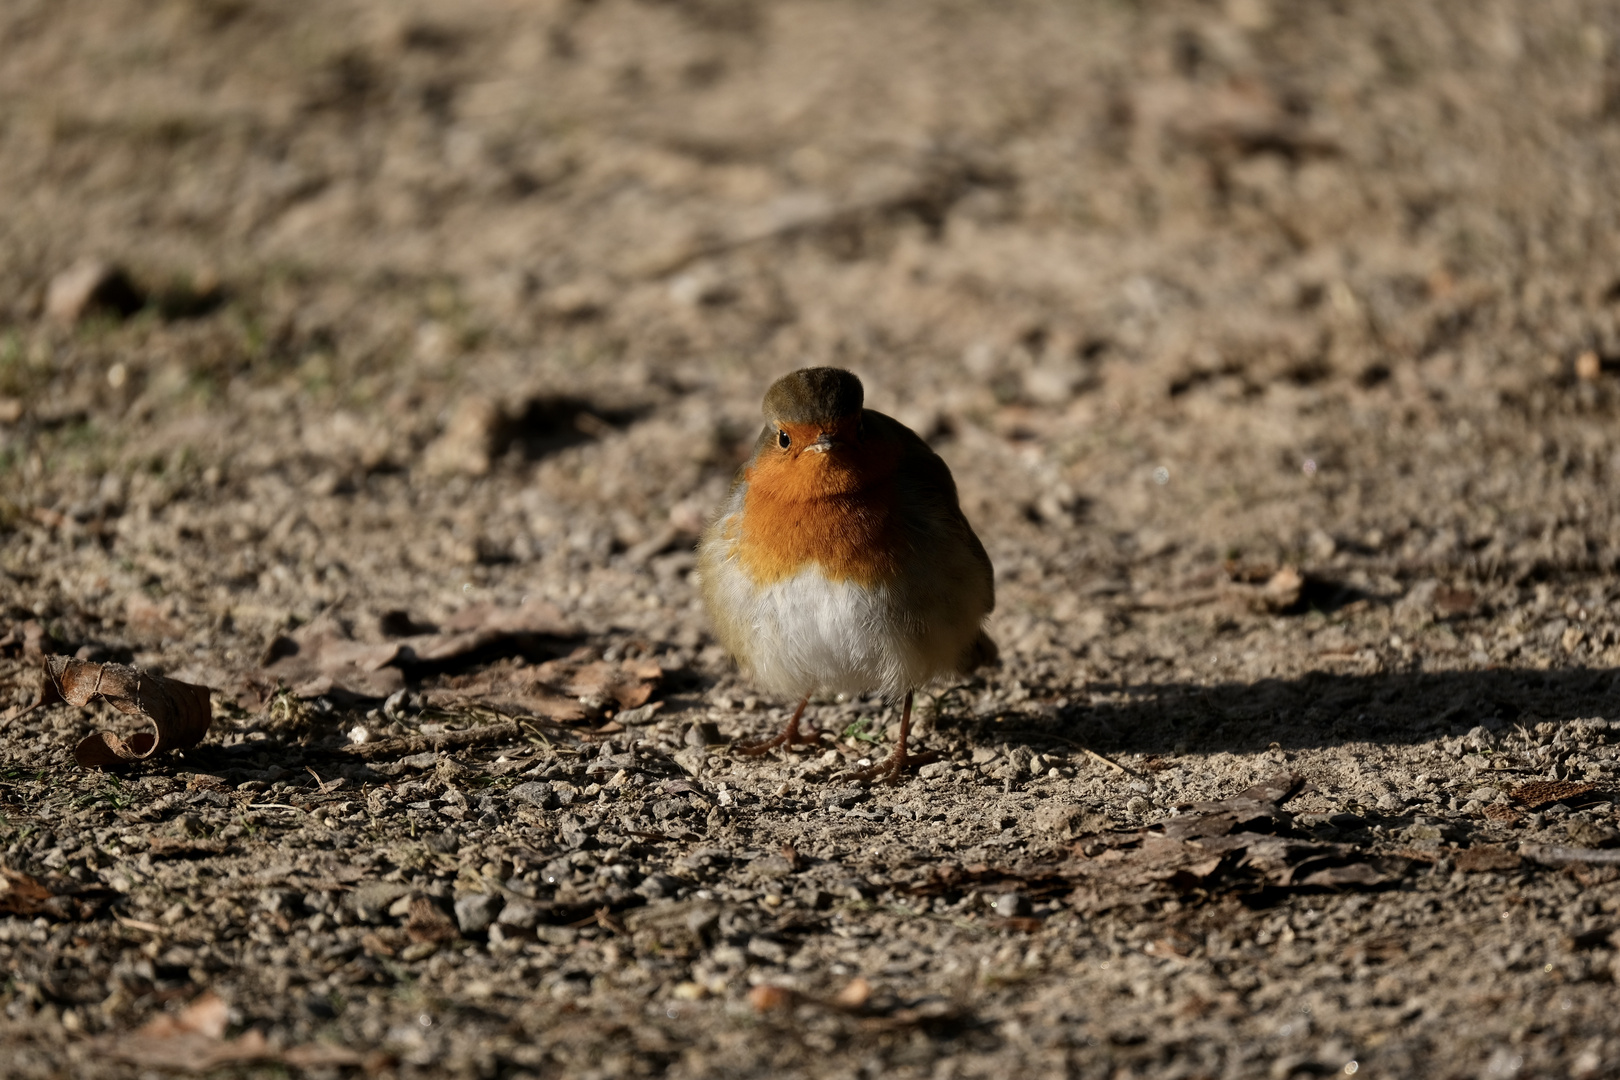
(835, 509)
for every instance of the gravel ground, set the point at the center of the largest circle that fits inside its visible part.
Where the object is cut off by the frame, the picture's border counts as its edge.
(1274, 349)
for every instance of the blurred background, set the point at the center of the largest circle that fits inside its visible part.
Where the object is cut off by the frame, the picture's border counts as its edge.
(1273, 346)
(397, 302)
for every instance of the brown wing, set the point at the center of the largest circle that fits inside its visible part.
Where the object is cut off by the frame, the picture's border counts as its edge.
(931, 507)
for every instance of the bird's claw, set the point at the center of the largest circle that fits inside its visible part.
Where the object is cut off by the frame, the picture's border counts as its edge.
(890, 768)
(786, 738)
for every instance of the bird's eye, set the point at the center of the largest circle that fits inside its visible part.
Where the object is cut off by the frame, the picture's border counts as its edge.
(782, 440)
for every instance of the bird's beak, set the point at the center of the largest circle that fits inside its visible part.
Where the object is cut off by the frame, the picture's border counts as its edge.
(824, 442)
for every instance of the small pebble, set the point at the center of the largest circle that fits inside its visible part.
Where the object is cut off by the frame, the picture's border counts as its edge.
(1012, 905)
(475, 911)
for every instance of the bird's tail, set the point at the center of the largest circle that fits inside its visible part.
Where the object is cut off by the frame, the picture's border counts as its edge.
(981, 653)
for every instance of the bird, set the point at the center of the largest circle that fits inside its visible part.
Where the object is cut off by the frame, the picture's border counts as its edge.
(840, 560)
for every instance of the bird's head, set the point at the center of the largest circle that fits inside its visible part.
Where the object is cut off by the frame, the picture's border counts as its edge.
(814, 444)
(814, 411)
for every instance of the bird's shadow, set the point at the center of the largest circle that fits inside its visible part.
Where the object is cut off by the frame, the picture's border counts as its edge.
(1316, 710)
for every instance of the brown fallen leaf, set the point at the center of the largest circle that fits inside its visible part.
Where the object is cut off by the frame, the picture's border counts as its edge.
(153, 619)
(61, 898)
(427, 922)
(1254, 810)
(1196, 875)
(1451, 602)
(1504, 813)
(21, 894)
(483, 625)
(193, 1040)
(1369, 874)
(30, 639)
(1243, 845)
(570, 690)
(1546, 792)
(320, 658)
(183, 847)
(766, 998)
(179, 712)
(384, 943)
(627, 684)
(510, 691)
(1483, 857)
(1176, 944)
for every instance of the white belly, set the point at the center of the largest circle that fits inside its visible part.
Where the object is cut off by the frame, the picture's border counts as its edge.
(806, 634)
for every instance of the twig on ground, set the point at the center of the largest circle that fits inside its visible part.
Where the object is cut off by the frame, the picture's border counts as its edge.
(450, 740)
(322, 785)
(1559, 855)
(1110, 762)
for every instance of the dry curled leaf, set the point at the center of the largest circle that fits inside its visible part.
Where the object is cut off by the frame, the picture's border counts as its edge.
(179, 712)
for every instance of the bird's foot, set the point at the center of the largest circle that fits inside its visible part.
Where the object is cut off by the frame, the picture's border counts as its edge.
(788, 737)
(889, 769)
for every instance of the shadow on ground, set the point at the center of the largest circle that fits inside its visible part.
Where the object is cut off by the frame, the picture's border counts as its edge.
(1321, 709)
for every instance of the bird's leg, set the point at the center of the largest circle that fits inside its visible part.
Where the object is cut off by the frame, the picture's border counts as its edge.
(789, 736)
(892, 766)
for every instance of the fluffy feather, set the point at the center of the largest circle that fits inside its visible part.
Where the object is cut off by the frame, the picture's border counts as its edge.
(841, 561)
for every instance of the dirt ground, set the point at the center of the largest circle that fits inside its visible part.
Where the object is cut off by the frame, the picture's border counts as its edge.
(1275, 349)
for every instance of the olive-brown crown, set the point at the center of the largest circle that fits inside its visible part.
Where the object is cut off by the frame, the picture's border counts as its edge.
(815, 395)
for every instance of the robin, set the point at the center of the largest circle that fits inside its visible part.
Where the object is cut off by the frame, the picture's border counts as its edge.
(841, 562)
